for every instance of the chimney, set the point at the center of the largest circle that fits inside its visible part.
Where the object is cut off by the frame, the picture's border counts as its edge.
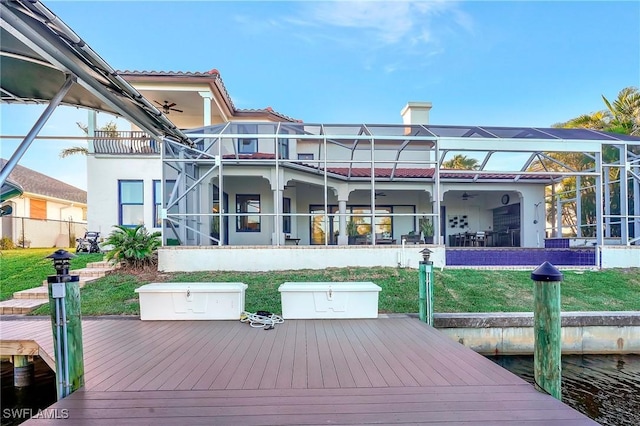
(416, 113)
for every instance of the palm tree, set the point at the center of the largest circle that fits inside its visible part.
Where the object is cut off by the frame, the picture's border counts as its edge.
(621, 116)
(110, 127)
(461, 162)
(625, 112)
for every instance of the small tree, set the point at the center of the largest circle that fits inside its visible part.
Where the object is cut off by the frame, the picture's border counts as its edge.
(134, 247)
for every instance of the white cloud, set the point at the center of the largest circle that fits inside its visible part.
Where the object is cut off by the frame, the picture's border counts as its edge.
(386, 23)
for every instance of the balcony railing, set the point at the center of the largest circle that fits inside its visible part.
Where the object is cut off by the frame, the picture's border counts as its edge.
(124, 142)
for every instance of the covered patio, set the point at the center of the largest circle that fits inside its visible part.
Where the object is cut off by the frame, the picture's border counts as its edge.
(318, 184)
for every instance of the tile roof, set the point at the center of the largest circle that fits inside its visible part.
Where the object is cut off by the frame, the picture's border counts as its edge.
(39, 184)
(400, 173)
(214, 76)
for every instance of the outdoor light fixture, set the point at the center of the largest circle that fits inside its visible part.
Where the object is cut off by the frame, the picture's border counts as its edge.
(425, 254)
(61, 261)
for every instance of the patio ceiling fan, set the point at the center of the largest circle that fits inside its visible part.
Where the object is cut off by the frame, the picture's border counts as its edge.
(466, 195)
(167, 107)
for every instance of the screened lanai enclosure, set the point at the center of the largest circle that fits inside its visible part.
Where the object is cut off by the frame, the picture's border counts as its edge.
(274, 184)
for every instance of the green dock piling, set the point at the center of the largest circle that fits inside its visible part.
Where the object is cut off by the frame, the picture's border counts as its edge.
(547, 355)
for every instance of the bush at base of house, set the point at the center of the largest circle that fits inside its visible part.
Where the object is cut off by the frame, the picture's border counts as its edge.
(134, 247)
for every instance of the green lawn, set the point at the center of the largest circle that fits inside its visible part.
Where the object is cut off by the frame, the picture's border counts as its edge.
(455, 290)
(22, 269)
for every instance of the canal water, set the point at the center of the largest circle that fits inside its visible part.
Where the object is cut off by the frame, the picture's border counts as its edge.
(604, 387)
(19, 404)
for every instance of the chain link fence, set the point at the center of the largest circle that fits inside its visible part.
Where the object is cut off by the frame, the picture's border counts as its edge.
(26, 232)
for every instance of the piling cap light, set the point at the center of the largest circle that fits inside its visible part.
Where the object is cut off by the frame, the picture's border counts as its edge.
(547, 272)
(61, 261)
(425, 254)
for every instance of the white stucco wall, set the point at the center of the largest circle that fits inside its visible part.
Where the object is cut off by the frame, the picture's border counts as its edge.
(174, 259)
(102, 188)
(620, 256)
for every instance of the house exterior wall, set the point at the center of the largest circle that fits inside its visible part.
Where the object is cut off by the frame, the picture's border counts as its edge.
(102, 188)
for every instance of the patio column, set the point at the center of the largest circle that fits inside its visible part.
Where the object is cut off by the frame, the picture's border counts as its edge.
(206, 114)
(277, 182)
(278, 236)
(91, 129)
(343, 238)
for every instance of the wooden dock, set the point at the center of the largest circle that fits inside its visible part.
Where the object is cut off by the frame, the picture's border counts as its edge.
(379, 371)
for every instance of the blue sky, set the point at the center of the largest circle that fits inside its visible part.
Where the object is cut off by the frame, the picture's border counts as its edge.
(511, 63)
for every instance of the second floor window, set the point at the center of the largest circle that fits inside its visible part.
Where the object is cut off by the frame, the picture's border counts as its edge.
(247, 146)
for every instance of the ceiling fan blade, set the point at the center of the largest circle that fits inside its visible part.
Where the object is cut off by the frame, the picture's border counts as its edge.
(169, 105)
(177, 110)
(157, 102)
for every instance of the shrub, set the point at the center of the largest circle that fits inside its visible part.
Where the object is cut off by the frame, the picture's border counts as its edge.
(6, 243)
(134, 247)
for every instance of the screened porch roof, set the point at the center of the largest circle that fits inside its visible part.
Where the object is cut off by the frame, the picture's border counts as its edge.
(409, 130)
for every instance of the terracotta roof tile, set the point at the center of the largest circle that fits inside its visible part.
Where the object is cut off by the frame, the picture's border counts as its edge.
(385, 172)
(40, 184)
(214, 76)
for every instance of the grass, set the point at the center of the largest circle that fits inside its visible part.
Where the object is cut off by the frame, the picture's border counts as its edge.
(21, 269)
(456, 290)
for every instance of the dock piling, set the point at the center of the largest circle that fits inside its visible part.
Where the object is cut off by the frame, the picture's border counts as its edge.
(547, 356)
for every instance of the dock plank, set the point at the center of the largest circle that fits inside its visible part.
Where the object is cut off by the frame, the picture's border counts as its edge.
(369, 371)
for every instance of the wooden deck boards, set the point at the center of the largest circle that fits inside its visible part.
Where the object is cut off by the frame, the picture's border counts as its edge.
(382, 371)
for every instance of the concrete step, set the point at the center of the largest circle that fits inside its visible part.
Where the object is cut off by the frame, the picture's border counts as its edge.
(26, 301)
(87, 274)
(42, 292)
(102, 264)
(20, 306)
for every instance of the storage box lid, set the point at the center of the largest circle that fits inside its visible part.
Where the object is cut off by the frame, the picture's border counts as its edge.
(324, 286)
(192, 287)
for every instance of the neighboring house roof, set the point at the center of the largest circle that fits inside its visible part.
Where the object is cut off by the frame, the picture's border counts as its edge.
(212, 77)
(36, 183)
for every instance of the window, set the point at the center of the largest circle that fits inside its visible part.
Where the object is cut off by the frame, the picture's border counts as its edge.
(286, 220)
(38, 209)
(245, 206)
(247, 145)
(362, 217)
(305, 156)
(158, 201)
(283, 148)
(131, 202)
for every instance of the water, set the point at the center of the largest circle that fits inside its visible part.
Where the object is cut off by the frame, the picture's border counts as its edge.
(604, 387)
(38, 396)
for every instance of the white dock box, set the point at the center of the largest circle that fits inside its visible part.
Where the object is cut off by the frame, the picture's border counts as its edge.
(316, 300)
(191, 301)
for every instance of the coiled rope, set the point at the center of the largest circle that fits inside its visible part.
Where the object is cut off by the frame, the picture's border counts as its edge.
(261, 319)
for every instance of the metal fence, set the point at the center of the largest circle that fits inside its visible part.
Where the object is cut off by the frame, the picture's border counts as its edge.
(26, 232)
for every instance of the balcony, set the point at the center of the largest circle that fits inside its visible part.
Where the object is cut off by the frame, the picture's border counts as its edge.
(124, 142)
